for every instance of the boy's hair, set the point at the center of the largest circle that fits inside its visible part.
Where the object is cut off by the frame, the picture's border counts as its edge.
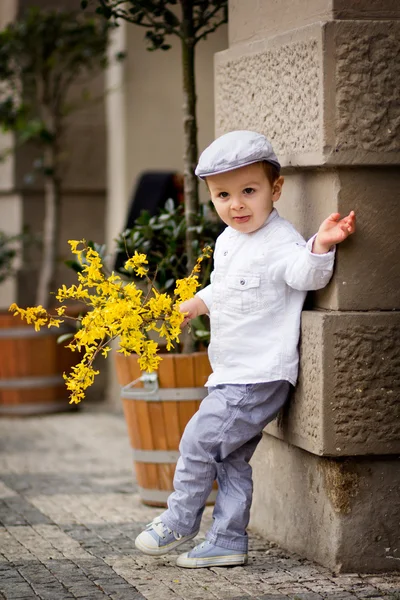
(270, 171)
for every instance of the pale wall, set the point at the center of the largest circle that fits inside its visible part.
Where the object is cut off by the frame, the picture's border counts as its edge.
(144, 123)
(154, 102)
(10, 203)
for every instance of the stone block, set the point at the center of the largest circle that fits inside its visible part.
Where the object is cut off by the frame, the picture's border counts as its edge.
(325, 94)
(251, 20)
(367, 271)
(366, 9)
(346, 402)
(344, 514)
(274, 86)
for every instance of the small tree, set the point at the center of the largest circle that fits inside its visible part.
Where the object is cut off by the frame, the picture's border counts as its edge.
(190, 21)
(9, 248)
(41, 56)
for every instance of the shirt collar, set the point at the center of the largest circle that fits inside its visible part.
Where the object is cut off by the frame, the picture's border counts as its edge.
(272, 215)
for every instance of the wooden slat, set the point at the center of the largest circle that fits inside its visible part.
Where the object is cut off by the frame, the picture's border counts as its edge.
(164, 477)
(159, 427)
(147, 475)
(122, 369)
(132, 423)
(159, 432)
(143, 417)
(185, 375)
(172, 474)
(171, 418)
(184, 368)
(8, 320)
(166, 372)
(8, 358)
(133, 368)
(37, 395)
(202, 368)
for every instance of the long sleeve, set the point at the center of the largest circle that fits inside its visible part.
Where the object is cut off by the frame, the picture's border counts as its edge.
(300, 268)
(206, 294)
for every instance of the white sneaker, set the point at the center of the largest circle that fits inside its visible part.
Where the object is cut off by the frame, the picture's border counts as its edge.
(207, 554)
(158, 539)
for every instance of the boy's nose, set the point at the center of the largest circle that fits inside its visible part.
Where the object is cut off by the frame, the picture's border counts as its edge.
(237, 203)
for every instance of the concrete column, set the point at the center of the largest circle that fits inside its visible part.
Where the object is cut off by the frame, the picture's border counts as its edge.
(10, 201)
(321, 79)
(117, 188)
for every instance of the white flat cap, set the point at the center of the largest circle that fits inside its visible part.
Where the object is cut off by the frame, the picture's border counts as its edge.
(233, 150)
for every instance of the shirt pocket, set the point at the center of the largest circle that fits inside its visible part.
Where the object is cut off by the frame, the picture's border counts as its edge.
(242, 293)
(250, 293)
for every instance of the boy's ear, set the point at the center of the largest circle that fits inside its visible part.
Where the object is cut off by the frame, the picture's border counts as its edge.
(277, 188)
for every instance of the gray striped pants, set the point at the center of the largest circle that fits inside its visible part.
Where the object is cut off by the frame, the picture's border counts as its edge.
(218, 443)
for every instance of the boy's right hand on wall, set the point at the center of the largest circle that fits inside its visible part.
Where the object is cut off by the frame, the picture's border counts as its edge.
(333, 231)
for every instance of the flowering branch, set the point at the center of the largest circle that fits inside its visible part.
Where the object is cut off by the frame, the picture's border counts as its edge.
(117, 309)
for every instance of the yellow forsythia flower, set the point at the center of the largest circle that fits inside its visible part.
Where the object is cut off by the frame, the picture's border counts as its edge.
(115, 309)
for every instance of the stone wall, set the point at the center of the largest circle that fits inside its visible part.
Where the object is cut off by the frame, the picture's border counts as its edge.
(321, 80)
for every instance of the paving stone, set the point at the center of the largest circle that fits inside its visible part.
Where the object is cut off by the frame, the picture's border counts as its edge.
(16, 589)
(10, 516)
(307, 596)
(70, 512)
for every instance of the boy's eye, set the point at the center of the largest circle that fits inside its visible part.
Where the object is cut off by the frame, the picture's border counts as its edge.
(248, 191)
(223, 195)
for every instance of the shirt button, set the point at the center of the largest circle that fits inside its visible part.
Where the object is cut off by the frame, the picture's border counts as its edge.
(242, 281)
(225, 253)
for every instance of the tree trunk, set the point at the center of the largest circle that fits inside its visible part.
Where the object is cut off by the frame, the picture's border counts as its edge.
(191, 187)
(52, 201)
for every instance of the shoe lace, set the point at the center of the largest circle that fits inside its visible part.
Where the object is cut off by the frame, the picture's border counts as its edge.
(161, 529)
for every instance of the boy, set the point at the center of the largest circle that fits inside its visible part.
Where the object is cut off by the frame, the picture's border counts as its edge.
(262, 271)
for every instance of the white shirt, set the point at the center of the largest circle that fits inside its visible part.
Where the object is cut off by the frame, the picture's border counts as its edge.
(255, 299)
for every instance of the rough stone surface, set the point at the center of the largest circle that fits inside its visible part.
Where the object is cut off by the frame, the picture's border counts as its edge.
(261, 90)
(324, 94)
(366, 261)
(346, 402)
(251, 20)
(367, 79)
(343, 513)
(69, 513)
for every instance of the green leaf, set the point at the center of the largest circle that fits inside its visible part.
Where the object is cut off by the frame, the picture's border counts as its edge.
(170, 205)
(74, 265)
(65, 336)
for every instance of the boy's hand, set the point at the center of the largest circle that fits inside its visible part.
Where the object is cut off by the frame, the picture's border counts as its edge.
(193, 308)
(333, 231)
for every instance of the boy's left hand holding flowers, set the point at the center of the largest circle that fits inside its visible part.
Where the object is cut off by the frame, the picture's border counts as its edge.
(333, 231)
(117, 308)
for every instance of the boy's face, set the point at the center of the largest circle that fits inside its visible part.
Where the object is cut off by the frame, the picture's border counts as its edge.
(244, 198)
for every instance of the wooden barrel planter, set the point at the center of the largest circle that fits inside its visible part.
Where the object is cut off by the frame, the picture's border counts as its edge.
(31, 369)
(157, 408)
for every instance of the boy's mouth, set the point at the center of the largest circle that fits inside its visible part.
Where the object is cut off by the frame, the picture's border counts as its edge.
(241, 219)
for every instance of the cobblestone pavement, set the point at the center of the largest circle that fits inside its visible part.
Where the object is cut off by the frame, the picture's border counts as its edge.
(69, 513)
